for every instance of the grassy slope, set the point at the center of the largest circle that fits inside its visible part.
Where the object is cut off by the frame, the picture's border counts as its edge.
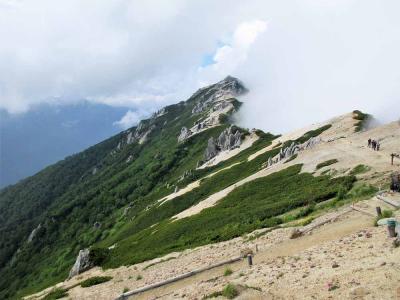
(249, 207)
(129, 236)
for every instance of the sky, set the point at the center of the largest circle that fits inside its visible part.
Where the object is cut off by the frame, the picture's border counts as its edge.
(302, 60)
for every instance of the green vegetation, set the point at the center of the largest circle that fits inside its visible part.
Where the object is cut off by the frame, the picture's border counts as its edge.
(56, 294)
(249, 207)
(362, 191)
(362, 118)
(359, 169)
(125, 290)
(95, 280)
(98, 255)
(228, 271)
(139, 277)
(67, 199)
(325, 172)
(230, 291)
(385, 214)
(326, 163)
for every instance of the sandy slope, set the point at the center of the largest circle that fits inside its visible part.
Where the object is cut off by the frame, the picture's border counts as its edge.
(368, 266)
(339, 142)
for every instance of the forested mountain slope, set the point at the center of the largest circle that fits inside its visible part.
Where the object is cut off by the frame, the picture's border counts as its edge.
(79, 200)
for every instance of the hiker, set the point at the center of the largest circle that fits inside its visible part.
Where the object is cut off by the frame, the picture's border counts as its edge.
(378, 146)
(369, 143)
(373, 143)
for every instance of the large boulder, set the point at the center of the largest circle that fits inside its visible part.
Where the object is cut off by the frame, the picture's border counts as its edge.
(211, 150)
(82, 263)
(185, 133)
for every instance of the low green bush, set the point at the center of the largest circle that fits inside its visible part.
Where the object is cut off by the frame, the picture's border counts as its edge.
(98, 255)
(247, 208)
(56, 294)
(230, 291)
(362, 118)
(305, 211)
(228, 272)
(385, 214)
(95, 280)
(359, 169)
(326, 163)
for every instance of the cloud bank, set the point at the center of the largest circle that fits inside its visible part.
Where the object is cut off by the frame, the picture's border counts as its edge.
(303, 60)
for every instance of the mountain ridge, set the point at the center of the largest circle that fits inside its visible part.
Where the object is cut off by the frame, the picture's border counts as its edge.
(151, 190)
(46, 197)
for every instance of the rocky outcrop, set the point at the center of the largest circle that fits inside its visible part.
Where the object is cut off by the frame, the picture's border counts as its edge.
(211, 103)
(229, 139)
(159, 113)
(82, 263)
(185, 133)
(185, 174)
(33, 233)
(228, 88)
(288, 152)
(211, 150)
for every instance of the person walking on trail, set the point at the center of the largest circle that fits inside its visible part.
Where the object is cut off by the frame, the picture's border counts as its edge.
(373, 143)
(369, 143)
(378, 146)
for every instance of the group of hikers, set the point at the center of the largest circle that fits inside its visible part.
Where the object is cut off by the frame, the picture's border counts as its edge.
(375, 145)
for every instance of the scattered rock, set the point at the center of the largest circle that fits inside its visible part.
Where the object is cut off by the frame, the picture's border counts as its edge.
(296, 233)
(335, 265)
(286, 153)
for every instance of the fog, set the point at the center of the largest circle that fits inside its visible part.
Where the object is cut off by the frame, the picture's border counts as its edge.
(303, 61)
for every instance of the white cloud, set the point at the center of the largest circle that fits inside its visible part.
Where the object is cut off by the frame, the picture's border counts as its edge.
(228, 57)
(131, 118)
(317, 58)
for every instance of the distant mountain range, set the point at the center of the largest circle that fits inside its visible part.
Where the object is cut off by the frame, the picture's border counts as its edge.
(33, 140)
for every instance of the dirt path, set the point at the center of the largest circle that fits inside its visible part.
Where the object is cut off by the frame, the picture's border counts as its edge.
(291, 247)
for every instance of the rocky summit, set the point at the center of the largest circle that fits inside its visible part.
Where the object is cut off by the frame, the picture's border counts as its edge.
(189, 193)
